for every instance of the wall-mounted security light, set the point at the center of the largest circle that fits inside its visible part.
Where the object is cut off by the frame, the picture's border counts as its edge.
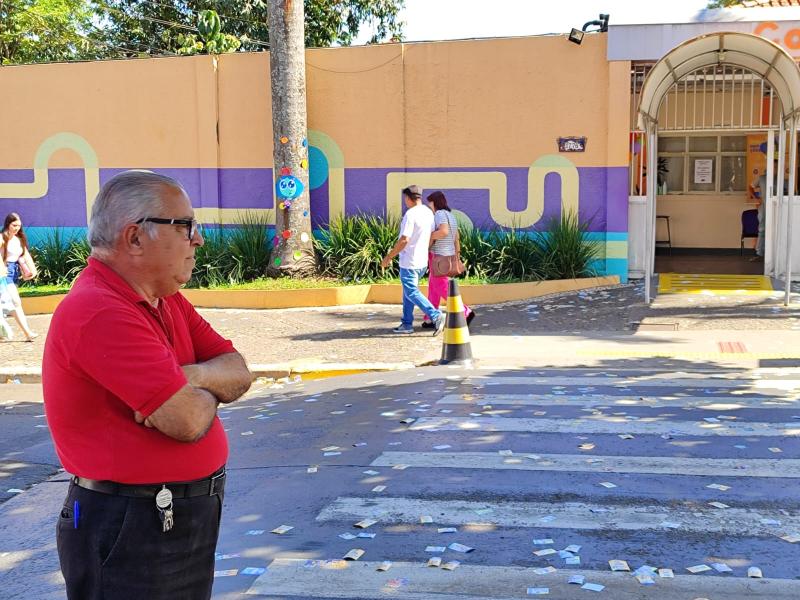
(575, 36)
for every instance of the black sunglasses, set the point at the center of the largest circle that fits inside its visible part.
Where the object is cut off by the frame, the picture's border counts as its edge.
(190, 224)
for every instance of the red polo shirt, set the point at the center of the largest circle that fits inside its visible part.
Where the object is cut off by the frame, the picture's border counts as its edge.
(110, 353)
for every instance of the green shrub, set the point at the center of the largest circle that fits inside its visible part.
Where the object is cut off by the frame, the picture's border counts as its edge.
(232, 256)
(59, 258)
(352, 247)
(566, 251)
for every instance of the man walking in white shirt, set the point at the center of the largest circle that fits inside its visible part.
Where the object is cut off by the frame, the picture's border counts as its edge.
(412, 246)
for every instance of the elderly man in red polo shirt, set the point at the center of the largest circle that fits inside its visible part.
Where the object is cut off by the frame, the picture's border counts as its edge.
(132, 379)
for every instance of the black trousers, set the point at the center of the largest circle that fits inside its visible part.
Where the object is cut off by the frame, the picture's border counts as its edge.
(119, 551)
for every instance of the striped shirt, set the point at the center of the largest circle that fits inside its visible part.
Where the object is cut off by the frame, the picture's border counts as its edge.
(445, 246)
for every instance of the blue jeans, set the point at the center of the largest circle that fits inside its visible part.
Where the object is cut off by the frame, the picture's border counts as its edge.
(412, 297)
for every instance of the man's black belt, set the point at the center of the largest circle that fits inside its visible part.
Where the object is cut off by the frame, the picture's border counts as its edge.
(187, 489)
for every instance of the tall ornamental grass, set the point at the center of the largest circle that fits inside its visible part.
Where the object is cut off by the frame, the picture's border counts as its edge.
(59, 258)
(352, 247)
(232, 255)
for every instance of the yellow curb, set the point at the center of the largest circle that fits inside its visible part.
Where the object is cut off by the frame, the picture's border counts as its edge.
(497, 293)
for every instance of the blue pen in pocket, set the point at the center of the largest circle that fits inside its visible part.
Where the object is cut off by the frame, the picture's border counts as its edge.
(76, 513)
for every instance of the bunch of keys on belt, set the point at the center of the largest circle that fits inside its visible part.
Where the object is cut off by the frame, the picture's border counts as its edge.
(164, 506)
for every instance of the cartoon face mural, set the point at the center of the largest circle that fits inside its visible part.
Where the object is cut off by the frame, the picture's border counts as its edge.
(289, 186)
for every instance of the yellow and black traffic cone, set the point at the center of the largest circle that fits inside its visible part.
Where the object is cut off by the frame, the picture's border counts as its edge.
(456, 347)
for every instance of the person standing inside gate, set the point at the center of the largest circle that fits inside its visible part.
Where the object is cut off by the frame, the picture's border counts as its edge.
(132, 378)
(412, 246)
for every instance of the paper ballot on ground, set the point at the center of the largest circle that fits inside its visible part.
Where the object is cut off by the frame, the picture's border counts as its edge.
(545, 570)
(365, 523)
(538, 591)
(282, 529)
(698, 569)
(618, 565)
(451, 565)
(666, 573)
(435, 561)
(384, 566)
(577, 579)
(754, 572)
(544, 552)
(595, 587)
(354, 554)
(721, 567)
(456, 547)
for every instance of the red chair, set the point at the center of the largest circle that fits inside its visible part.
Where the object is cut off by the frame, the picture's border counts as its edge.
(749, 226)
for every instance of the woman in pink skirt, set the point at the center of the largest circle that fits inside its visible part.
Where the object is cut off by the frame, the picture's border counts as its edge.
(445, 242)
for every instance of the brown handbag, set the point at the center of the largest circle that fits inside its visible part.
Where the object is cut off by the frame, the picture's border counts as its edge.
(446, 266)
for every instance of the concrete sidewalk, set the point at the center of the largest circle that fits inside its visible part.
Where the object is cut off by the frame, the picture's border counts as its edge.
(588, 325)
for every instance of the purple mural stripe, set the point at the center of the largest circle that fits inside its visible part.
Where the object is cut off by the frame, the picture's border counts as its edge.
(603, 194)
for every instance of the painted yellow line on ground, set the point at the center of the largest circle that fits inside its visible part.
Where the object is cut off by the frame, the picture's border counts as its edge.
(697, 283)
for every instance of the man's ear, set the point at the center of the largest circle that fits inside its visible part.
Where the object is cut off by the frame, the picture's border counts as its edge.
(131, 239)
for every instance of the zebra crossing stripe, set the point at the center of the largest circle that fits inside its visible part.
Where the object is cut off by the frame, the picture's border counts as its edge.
(589, 400)
(565, 515)
(305, 578)
(591, 463)
(699, 382)
(606, 424)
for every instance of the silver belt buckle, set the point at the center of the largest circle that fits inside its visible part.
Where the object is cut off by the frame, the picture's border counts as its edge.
(213, 487)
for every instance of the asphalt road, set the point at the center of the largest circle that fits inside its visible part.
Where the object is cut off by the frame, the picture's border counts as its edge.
(516, 461)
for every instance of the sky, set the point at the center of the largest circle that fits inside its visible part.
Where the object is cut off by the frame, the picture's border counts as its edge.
(427, 20)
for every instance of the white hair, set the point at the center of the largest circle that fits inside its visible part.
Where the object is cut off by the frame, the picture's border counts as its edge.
(124, 199)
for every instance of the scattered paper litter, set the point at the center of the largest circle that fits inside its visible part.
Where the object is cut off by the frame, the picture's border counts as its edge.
(442, 447)
(545, 570)
(775, 450)
(698, 569)
(384, 566)
(371, 472)
(354, 554)
(645, 579)
(451, 565)
(625, 436)
(544, 552)
(607, 484)
(347, 536)
(330, 448)
(586, 447)
(365, 523)
(364, 534)
(435, 561)
(754, 572)
(577, 579)
(400, 467)
(721, 568)
(595, 587)
(447, 530)
(226, 573)
(435, 548)
(718, 486)
(792, 538)
(253, 571)
(666, 573)
(379, 488)
(282, 529)
(574, 548)
(718, 505)
(426, 519)
(312, 469)
(618, 565)
(456, 547)
(331, 453)
(572, 560)
(256, 532)
(542, 542)
(538, 591)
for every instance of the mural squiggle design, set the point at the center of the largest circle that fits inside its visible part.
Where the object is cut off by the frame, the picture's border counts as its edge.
(41, 180)
(496, 183)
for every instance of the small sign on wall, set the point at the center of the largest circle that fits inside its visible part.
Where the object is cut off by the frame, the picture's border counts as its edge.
(703, 169)
(572, 144)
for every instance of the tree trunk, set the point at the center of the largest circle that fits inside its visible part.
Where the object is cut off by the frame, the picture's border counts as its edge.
(293, 252)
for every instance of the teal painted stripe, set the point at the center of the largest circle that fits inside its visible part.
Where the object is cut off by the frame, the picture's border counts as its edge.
(611, 266)
(606, 236)
(38, 235)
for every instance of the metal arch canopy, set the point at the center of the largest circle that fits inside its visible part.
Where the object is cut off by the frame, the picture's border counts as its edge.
(753, 52)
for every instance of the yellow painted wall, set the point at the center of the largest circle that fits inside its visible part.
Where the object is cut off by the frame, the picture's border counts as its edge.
(703, 220)
(498, 102)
